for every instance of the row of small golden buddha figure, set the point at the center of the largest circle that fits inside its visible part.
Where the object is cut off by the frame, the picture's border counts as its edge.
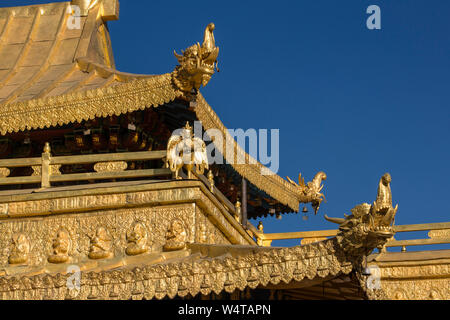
(101, 244)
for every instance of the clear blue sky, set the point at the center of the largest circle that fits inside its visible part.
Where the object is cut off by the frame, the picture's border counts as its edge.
(353, 102)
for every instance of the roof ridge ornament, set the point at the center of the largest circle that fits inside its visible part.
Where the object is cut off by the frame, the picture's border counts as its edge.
(310, 192)
(196, 64)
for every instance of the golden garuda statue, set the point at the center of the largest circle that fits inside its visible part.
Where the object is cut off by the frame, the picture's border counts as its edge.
(197, 63)
(183, 149)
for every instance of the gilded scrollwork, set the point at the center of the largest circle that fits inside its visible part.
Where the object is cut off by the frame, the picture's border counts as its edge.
(439, 234)
(4, 172)
(54, 170)
(250, 269)
(115, 166)
(417, 289)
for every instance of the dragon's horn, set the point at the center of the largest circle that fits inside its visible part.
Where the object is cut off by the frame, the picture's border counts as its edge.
(178, 56)
(301, 180)
(291, 181)
(335, 220)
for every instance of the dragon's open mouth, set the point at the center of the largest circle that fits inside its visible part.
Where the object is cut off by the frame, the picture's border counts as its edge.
(383, 232)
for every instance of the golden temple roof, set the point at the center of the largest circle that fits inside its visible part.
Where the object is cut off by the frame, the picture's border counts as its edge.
(43, 55)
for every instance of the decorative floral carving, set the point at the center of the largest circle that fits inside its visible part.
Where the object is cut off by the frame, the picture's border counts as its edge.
(439, 234)
(54, 170)
(85, 105)
(4, 172)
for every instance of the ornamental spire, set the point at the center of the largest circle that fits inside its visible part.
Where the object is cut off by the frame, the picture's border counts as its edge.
(197, 63)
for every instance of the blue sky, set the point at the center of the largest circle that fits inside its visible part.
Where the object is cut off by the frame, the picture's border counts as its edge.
(353, 102)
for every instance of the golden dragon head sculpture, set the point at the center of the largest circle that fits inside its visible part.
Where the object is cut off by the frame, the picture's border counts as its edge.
(369, 226)
(310, 192)
(197, 63)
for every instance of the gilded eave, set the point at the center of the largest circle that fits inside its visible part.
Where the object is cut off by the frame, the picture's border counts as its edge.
(198, 270)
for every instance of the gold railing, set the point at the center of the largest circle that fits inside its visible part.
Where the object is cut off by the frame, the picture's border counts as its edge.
(107, 166)
(438, 233)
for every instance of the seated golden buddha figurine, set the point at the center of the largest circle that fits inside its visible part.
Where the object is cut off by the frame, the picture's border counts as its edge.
(176, 236)
(101, 245)
(137, 240)
(19, 250)
(61, 247)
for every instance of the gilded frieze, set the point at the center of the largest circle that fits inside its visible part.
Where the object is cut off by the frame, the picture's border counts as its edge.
(248, 270)
(96, 235)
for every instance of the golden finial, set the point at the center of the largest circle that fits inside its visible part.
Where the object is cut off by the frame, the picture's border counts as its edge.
(211, 181)
(261, 226)
(47, 148)
(188, 127)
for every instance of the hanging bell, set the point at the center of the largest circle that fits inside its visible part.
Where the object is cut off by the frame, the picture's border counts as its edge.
(279, 216)
(305, 210)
